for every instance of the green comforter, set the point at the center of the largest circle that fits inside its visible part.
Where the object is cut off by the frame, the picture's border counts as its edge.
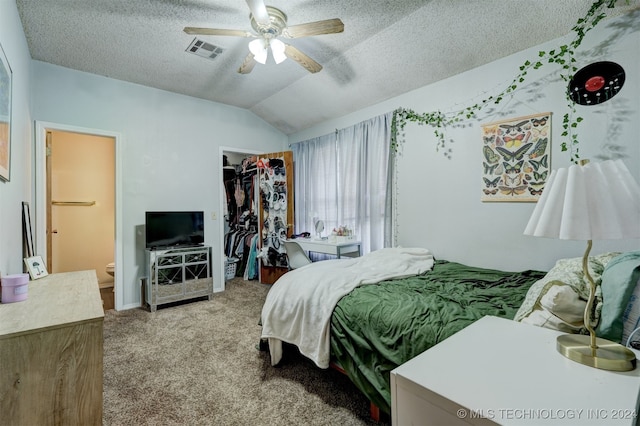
(378, 327)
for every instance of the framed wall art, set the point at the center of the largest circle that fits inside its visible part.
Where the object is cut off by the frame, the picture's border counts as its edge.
(516, 158)
(36, 267)
(5, 116)
(27, 232)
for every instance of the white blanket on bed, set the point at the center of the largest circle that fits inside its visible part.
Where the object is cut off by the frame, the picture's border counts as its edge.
(298, 307)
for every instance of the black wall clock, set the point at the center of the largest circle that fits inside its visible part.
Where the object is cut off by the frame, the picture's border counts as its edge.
(596, 83)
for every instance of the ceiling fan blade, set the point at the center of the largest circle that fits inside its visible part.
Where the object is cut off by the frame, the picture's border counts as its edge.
(259, 11)
(216, 31)
(293, 53)
(329, 26)
(247, 64)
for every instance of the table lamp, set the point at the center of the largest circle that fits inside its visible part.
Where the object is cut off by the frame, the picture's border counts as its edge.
(590, 201)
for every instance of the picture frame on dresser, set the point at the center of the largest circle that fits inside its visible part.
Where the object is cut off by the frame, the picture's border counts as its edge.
(36, 267)
(27, 232)
(5, 116)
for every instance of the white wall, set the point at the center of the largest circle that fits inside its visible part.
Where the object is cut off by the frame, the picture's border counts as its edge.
(170, 151)
(19, 188)
(169, 155)
(438, 204)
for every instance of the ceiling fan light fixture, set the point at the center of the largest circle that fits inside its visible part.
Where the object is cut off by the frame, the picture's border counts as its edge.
(269, 23)
(259, 50)
(277, 48)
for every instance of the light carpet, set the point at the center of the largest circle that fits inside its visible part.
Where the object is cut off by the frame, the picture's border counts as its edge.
(197, 364)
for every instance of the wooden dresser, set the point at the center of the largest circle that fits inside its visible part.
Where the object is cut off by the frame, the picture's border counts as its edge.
(51, 353)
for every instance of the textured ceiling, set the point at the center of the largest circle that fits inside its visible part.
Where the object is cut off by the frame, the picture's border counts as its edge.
(388, 47)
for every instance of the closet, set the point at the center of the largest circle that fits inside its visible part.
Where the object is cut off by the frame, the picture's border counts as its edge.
(240, 215)
(258, 214)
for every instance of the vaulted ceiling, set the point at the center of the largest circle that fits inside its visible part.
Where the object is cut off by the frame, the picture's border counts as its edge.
(388, 47)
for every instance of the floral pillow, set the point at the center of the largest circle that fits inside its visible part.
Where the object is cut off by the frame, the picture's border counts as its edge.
(558, 300)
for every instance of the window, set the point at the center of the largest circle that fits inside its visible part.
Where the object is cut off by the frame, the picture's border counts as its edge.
(343, 179)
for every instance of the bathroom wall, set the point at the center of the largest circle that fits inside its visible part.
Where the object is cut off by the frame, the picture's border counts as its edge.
(82, 170)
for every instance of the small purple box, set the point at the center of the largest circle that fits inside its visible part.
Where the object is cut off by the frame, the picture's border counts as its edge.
(14, 287)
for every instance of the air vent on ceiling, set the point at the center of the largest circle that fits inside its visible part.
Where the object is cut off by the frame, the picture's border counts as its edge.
(204, 49)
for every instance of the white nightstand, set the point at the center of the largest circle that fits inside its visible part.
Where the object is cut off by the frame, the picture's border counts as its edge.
(505, 372)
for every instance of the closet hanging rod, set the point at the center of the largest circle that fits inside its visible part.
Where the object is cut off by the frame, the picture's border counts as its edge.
(73, 203)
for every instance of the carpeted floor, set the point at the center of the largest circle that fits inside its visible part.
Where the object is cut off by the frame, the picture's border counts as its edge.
(197, 364)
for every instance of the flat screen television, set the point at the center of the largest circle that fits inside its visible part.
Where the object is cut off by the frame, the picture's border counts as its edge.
(172, 229)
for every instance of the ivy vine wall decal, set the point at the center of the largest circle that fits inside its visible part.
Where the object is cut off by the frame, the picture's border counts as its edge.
(564, 57)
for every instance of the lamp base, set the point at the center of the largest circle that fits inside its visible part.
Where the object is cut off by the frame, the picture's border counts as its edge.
(608, 356)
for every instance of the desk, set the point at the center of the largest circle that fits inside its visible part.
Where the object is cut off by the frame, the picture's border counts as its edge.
(351, 247)
(498, 371)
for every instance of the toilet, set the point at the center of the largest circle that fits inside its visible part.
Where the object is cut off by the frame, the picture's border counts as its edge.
(107, 288)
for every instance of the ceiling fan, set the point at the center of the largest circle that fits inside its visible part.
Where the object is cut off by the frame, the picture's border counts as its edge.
(269, 23)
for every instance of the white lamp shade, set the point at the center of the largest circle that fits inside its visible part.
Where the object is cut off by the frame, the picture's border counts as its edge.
(277, 48)
(588, 202)
(259, 50)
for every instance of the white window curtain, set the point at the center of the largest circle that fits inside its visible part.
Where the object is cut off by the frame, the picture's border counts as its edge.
(344, 179)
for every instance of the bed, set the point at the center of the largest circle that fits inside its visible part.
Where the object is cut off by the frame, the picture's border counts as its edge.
(379, 327)
(377, 321)
(368, 315)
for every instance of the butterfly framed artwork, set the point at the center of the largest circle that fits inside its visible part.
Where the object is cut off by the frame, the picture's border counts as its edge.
(516, 158)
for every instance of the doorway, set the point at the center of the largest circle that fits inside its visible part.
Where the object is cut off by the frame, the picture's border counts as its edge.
(78, 218)
(81, 206)
(234, 156)
(249, 210)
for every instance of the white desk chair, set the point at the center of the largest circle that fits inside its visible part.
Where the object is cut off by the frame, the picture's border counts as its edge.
(297, 257)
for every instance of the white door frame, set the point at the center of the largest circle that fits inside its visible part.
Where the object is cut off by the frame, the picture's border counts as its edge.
(41, 195)
(222, 201)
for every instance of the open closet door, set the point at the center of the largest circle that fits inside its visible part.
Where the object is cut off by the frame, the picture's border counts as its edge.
(275, 216)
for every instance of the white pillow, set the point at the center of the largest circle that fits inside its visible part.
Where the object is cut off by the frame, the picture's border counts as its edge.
(560, 308)
(569, 292)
